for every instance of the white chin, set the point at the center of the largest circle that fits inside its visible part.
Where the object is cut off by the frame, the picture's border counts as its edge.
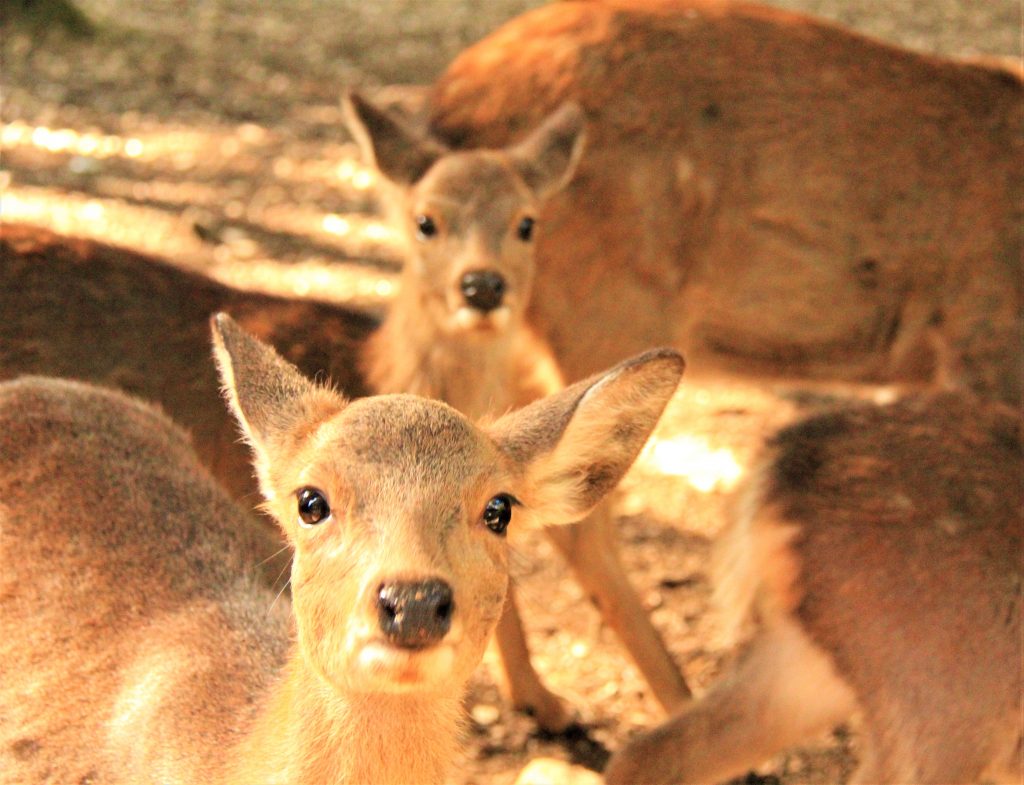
(471, 320)
(386, 668)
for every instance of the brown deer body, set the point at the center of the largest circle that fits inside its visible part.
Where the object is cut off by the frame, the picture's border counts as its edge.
(137, 645)
(878, 556)
(456, 332)
(84, 310)
(771, 193)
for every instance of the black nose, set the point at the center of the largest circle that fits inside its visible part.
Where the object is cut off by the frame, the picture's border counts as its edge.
(415, 614)
(483, 289)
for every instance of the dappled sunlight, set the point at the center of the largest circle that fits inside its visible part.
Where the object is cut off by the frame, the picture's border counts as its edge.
(692, 458)
(238, 260)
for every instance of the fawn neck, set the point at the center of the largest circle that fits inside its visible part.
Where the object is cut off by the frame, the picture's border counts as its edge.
(309, 732)
(410, 353)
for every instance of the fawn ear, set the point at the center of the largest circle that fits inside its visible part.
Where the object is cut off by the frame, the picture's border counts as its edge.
(547, 158)
(399, 153)
(573, 447)
(273, 402)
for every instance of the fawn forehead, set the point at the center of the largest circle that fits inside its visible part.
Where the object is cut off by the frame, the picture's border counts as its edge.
(405, 436)
(477, 186)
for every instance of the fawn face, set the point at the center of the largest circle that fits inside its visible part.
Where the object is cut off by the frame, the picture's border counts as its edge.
(397, 506)
(400, 570)
(469, 218)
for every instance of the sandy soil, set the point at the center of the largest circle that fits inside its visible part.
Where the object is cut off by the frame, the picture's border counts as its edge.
(209, 132)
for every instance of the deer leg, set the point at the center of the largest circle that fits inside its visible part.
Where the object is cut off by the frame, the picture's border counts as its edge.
(524, 686)
(784, 690)
(590, 549)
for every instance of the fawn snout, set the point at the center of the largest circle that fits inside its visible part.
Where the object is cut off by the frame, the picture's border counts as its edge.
(415, 614)
(483, 290)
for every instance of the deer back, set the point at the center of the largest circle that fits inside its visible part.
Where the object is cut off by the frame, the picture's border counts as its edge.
(772, 193)
(94, 312)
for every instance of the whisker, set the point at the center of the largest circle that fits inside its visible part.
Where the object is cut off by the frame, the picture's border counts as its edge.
(278, 594)
(274, 555)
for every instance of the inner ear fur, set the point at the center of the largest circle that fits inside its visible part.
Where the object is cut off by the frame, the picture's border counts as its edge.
(398, 152)
(547, 158)
(574, 447)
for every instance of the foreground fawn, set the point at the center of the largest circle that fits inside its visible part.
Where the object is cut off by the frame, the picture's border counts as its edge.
(878, 556)
(137, 645)
(457, 332)
(769, 192)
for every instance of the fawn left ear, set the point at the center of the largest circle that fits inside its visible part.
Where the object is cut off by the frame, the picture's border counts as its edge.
(573, 447)
(547, 158)
(273, 402)
(397, 151)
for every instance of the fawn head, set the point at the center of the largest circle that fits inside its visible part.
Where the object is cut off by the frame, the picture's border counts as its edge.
(469, 218)
(397, 507)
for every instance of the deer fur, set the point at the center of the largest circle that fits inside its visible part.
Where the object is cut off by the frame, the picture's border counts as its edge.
(137, 642)
(434, 342)
(877, 556)
(94, 312)
(772, 193)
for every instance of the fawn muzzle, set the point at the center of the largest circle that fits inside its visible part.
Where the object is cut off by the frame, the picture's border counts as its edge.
(483, 289)
(415, 614)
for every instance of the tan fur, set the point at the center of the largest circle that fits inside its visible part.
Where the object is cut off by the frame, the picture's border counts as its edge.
(138, 644)
(433, 344)
(877, 556)
(771, 193)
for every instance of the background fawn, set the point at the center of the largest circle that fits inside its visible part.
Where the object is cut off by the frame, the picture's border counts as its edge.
(749, 171)
(878, 555)
(457, 332)
(137, 645)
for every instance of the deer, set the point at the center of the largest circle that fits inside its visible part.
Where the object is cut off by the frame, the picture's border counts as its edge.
(457, 332)
(772, 194)
(874, 562)
(95, 312)
(138, 645)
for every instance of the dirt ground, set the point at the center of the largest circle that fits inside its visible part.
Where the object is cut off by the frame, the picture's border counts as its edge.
(209, 133)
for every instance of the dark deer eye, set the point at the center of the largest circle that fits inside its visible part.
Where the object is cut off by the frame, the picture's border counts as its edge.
(498, 513)
(425, 226)
(313, 507)
(525, 229)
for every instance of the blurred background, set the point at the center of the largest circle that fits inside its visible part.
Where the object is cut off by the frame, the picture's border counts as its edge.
(209, 133)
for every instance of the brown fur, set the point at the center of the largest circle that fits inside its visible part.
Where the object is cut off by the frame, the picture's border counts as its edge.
(89, 311)
(137, 645)
(433, 344)
(769, 192)
(879, 555)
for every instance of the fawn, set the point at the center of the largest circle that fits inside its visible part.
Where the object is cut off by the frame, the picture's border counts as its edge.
(771, 193)
(877, 553)
(457, 332)
(137, 646)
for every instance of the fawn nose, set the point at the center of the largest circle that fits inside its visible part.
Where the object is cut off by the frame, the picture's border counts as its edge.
(415, 614)
(483, 289)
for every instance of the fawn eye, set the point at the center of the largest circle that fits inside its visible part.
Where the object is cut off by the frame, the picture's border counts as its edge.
(525, 229)
(498, 512)
(313, 507)
(425, 227)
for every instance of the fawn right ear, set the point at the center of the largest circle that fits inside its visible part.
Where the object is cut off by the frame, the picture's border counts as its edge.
(273, 402)
(573, 447)
(399, 153)
(548, 157)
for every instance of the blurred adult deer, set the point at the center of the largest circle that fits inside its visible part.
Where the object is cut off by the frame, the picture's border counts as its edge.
(771, 193)
(136, 645)
(456, 332)
(90, 311)
(878, 555)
